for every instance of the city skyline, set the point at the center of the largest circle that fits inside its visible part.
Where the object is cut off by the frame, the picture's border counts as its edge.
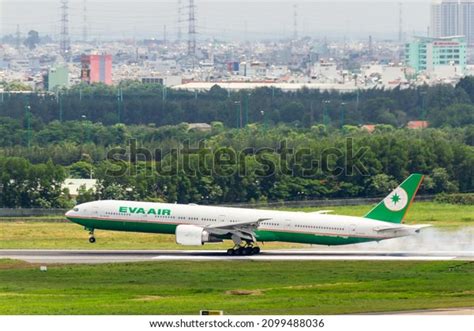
(451, 18)
(225, 20)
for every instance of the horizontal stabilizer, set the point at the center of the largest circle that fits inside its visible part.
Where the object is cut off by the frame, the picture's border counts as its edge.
(388, 228)
(417, 228)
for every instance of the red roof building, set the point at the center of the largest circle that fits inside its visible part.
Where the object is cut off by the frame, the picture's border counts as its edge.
(369, 127)
(417, 125)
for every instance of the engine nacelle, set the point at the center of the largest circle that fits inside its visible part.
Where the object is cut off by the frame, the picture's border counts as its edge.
(192, 235)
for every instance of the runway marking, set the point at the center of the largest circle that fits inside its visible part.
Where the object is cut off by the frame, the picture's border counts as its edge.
(110, 256)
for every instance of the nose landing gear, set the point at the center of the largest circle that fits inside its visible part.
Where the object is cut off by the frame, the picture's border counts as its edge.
(91, 236)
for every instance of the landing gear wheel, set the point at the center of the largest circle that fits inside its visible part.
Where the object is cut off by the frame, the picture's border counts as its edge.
(91, 235)
(255, 250)
(239, 251)
(248, 251)
(230, 251)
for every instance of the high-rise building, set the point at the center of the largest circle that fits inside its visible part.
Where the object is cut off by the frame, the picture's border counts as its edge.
(435, 19)
(452, 18)
(56, 78)
(467, 28)
(429, 54)
(96, 69)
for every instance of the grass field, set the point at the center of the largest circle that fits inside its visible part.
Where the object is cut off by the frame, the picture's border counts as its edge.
(28, 234)
(237, 287)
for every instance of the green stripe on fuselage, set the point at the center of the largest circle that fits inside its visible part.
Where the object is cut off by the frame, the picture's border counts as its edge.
(127, 226)
(261, 235)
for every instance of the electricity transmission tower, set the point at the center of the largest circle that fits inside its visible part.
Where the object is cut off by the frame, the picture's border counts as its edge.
(192, 30)
(295, 22)
(179, 33)
(84, 21)
(64, 41)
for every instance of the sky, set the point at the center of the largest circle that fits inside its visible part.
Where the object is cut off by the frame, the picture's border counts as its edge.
(222, 19)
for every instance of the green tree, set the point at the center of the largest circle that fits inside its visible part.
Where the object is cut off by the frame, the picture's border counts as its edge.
(32, 40)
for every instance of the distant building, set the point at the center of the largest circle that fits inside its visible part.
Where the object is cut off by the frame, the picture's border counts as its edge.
(452, 18)
(417, 125)
(56, 78)
(435, 19)
(35, 65)
(199, 126)
(237, 86)
(168, 66)
(3, 64)
(426, 54)
(369, 127)
(233, 67)
(167, 81)
(325, 71)
(96, 69)
(74, 184)
(252, 69)
(386, 76)
(152, 80)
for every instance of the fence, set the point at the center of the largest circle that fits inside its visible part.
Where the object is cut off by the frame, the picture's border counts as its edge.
(31, 212)
(59, 213)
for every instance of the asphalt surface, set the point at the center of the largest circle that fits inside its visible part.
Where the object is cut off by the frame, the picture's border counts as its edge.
(441, 311)
(108, 256)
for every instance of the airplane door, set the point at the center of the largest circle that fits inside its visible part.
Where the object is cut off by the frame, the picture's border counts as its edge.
(95, 210)
(221, 219)
(353, 228)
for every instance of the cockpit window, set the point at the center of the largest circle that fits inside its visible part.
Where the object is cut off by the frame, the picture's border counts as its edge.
(75, 209)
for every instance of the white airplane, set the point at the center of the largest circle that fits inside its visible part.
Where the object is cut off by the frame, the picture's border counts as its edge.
(195, 225)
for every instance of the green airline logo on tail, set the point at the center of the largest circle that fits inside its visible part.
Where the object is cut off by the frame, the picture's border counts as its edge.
(394, 207)
(397, 200)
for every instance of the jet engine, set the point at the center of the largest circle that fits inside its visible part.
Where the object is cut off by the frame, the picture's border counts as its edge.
(192, 235)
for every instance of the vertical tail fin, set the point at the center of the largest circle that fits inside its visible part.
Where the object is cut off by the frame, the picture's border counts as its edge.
(395, 205)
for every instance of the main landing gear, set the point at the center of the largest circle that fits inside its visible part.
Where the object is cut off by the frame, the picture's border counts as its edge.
(91, 236)
(244, 250)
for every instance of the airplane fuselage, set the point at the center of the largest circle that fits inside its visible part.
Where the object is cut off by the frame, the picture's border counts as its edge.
(284, 226)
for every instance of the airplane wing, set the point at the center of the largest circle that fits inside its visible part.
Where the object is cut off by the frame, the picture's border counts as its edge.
(244, 230)
(247, 224)
(388, 228)
(322, 212)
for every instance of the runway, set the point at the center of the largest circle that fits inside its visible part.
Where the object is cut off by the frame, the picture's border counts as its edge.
(109, 256)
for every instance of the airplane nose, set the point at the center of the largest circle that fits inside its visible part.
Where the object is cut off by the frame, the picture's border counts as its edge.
(69, 213)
